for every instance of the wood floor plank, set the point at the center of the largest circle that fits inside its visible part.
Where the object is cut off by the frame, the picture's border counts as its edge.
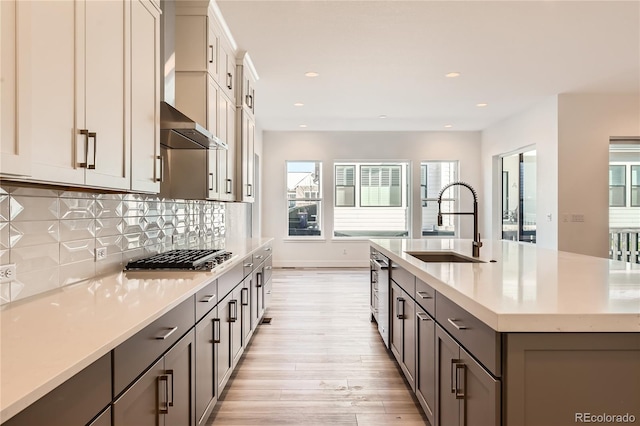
(319, 362)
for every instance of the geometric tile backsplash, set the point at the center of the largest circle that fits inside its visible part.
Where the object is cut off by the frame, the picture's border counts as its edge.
(52, 235)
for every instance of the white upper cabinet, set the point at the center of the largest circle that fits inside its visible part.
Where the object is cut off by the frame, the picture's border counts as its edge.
(245, 152)
(104, 109)
(89, 83)
(197, 42)
(47, 99)
(147, 165)
(246, 93)
(15, 153)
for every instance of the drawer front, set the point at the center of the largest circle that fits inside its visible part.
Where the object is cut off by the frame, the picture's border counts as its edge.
(230, 279)
(404, 279)
(248, 266)
(268, 267)
(132, 357)
(477, 338)
(426, 296)
(206, 299)
(261, 255)
(75, 402)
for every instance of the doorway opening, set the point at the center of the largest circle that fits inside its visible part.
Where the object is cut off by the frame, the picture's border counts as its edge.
(519, 196)
(624, 199)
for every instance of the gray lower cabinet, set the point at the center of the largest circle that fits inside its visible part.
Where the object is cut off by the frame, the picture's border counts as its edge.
(258, 290)
(248, 325)
(224, 362)
(235, 324)
(207, 336)
(75, 402)
(403, 340)
(466, 394)
(165, 394)
(426, 362)
(104, 419)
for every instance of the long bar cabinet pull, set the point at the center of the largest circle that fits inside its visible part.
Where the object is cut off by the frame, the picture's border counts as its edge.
(167, 334)
(424, 295)
(423, 317)
(163, 406)
(243, 297)
(216, 330)
(208, 298)
(233, 314)
(170, 400)
(452, 321)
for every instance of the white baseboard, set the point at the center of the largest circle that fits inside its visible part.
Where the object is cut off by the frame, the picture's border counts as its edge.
(321, 264)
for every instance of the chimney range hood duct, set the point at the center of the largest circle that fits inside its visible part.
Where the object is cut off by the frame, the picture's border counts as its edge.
(177, 131)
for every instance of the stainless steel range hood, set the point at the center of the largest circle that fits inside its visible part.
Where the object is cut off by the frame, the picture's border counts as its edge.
(177, 131)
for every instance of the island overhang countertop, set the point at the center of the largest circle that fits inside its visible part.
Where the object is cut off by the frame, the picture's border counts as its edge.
(527, 288)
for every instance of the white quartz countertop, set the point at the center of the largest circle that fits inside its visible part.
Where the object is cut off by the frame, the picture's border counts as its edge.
(528, 289)
(47, 339)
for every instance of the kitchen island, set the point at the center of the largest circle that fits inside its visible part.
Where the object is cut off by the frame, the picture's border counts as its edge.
(525, 336)
(51, 338)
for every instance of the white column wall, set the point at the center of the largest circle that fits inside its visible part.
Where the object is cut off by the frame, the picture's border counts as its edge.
(586, 124)
(537, 126)
(329, 147)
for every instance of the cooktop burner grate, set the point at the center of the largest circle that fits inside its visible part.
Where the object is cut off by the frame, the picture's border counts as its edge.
(183, 259)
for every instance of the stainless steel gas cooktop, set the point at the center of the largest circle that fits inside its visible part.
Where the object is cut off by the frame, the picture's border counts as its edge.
(182, 259)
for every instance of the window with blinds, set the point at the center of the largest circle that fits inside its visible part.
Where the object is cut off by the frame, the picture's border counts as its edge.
(345, 186)
(380, 186)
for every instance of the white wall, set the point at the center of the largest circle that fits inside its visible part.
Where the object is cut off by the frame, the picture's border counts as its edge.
(537, 126)
(328, 147)
(586, 123)
(571, 133)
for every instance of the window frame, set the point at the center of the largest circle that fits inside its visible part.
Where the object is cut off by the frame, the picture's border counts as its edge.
(335, 185)
(405, 176)
(634, 187)
(424, 197)
(319, 200)
(623, 186)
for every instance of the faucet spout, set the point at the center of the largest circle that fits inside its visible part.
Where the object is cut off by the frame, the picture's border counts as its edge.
(476, 235)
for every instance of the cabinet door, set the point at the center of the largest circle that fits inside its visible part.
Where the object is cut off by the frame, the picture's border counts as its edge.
(258, 282)
(179, 365)
(481, 403)
(212, 126)
(396, 316)
(206, 335)
(224, 363)
(48, 66)
(146, 167)
(246, 303)
(213, 49)
(236, 324)
(103, 419)
(226, 158)
(448, 383)
(409, 341)
(245, 161)
(228, 64)
(15, 153)
(106, 83)
(140, 404)
(425, 362)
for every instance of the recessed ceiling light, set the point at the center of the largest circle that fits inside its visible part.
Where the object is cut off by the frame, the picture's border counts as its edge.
(481, 105)
(382, 116)
(303, 125)
(452, 74)
(311, 74)
(298, 104)
(448, 126)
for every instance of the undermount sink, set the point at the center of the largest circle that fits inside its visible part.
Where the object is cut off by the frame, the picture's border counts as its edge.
(432, 257)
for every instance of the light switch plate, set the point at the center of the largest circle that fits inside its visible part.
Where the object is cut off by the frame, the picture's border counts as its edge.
(7, 273)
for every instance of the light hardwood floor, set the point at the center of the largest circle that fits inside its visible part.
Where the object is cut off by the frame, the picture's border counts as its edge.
(321, 360)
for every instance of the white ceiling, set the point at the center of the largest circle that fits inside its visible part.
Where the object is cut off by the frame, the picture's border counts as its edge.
(390, 58)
